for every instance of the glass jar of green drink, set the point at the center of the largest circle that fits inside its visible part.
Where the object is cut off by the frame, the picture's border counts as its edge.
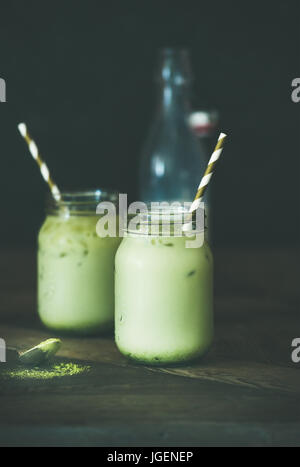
(76, 266)
(164, 296)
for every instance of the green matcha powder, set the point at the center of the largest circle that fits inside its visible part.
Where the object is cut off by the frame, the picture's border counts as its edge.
(53, 371)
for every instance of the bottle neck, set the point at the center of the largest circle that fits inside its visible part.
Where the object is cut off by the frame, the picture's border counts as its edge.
(173, 100)
(173, 77)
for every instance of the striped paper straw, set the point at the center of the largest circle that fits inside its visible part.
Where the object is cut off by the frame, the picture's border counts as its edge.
(42, 165)
(206, 178)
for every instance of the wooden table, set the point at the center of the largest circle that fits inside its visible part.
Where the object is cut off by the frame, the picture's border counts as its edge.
(245, 392)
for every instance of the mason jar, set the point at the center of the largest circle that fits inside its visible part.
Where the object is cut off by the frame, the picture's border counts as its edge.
(76, 266)
(164, 296)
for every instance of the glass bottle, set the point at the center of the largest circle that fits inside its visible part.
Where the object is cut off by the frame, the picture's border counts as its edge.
(173, 158)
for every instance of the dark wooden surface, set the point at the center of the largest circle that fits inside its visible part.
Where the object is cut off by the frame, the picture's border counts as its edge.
(245, 392)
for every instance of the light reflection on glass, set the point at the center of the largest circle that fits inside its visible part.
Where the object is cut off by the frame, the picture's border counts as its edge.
(159, 166)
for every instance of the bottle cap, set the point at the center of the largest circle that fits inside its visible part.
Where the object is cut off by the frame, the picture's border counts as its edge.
(203, 122)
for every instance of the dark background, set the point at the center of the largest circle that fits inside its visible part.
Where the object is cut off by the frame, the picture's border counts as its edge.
(79, 73)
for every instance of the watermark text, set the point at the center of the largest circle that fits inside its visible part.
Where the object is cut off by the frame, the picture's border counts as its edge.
(2, 90)
(2, 351)
(296, 352)
(157, 219)
(296, 91)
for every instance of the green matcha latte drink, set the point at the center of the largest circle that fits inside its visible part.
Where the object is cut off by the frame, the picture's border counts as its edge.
(76, 266)
(163, 293)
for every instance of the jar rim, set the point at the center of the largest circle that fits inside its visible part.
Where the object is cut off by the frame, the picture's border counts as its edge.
(163, 217)
(160, 212)
(80, 200)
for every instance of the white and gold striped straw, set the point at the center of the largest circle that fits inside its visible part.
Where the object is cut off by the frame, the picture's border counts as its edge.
(206, 178)
(42, 165)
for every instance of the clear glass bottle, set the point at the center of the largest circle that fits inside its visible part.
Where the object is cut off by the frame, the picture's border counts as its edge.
(76, 266)
(163, 297)
(173, 159)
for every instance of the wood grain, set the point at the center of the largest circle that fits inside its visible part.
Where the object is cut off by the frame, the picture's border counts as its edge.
(245, 391)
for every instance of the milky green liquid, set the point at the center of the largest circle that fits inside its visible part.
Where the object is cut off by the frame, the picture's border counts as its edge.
(164, 299)
(75, 275)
